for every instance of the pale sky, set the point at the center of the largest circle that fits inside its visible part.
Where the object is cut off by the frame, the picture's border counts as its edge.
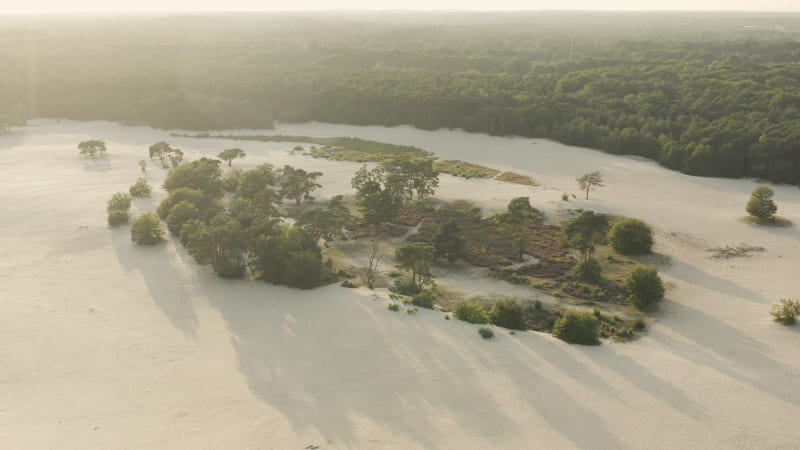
(83, 6)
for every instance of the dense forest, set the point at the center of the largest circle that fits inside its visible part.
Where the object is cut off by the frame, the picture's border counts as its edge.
(707, 94)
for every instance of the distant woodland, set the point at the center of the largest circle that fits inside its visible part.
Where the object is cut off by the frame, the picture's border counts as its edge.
(706, 94)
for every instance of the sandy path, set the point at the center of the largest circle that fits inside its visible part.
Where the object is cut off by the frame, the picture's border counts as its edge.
(106, 345)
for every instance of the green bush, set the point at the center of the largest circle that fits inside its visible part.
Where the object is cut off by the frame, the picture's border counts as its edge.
(486, 333)
(182, 212)
(424, 299)
(348, 284)
(120, 201)
(405, 287)
(590, 270)
(117, 217)
(639, 324)
(394, 307)
(786, 311)
(471, 311)
(507, 313)
(631, 237)
(644, 287)
(577, 328)
(141, 188)
(147, 230)
(192, 196)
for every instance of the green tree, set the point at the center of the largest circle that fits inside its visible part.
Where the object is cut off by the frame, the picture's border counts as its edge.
(584, 232)
(631, 237)
(520, 212)
(577, 328)
(589, 182)
(417, 258)
(471, 311)
(644, 287)
(761, 206)
(193, 196)
(92, 148)
(508, 313)
(147, 230)
(220, 243)
(117, 217)
(161, 150)
(120, 201)
(141, 188)
(204, 175)
(447, 241)
(297, 184)
(179, 214)
(256, 185)
(228, 155)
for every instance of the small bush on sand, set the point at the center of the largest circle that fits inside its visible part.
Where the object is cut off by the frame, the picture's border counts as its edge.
(394, 307)
(786, 311)
(486, 333)
(631, 237)
(141, 188)
(147, 230)
(577, 328)
(507, 313)
(117, 217)
(120, 201)
(471, 312)
(644, 287)
(424, 299)
(405, 287)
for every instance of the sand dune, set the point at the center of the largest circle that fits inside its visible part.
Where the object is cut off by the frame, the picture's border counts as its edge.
(107, 345)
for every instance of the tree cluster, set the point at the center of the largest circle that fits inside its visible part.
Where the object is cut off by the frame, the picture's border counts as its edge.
(383, 190)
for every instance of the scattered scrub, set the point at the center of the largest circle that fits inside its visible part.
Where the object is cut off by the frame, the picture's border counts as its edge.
(486, 333)
(786, 311)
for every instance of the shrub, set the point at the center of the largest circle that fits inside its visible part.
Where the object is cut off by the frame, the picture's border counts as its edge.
(394, 307)
(193, 196)
(117, 217)
(631, 237)
(405, 287)
(639, 324)
(120, 201)
(141, 188)
(348, 284)
(424, 299)
(786, 311)
(507, 313)
(577, 328)
(589, 270)
(179, 214)
(147, 230)
(471, 311)
(486, 333)
(644, 287)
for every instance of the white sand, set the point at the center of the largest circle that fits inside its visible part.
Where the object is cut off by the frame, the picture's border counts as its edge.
(107, 345)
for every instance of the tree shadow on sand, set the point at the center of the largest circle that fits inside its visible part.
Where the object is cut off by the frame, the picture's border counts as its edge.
(694, 275)
(166, 283)
(277, 338)
(99, 164)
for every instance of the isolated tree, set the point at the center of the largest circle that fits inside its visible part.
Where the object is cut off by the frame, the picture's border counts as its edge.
(644, 287)
(147, 230)
(230, 154)
(761, 206)
(297, 184)
(584, 232)
(590, 181)
(417, 258)
(447, 241)
(631, 237)
(92, 148)
(159, 149)
(373, 260)
(141, 188)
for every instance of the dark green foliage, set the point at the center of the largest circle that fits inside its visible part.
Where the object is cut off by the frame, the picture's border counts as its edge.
(120, 201)
(761, 206)
(221, 243)
(289, 257)
(117, 217)
(417, 258)
(382, 191)
(424, 299)
(192, 196)
(486, 333)
(228, 155)
(393, 307)
(644, 287)
(584, 232)
(589, 270)
(639, 324)
(577, 328)
(348, 284)
(447, 241)
(147, 230)
(786, 311)
(92, 148)
(471, 311)
(405, 287)
(257, 186)
(507, 313)
(141, 188)
(297, 184)
(179, 214)
(230, 181)
(631, 237)
(204, 175)
(520, 212)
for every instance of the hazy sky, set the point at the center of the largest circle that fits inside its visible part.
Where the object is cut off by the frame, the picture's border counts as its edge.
(49, 6)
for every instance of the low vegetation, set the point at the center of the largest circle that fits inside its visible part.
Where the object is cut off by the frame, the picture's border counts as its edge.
(786, 311)
(516, 178)
(471, 311)
(464, 169)
(645, 288)
(577, 328)
(141, 188)
(92, 148)
(147, 230)
(486, 333)
(118, 209)
(631, 237)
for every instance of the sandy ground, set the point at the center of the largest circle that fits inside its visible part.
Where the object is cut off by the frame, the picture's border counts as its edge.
(107, 345)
